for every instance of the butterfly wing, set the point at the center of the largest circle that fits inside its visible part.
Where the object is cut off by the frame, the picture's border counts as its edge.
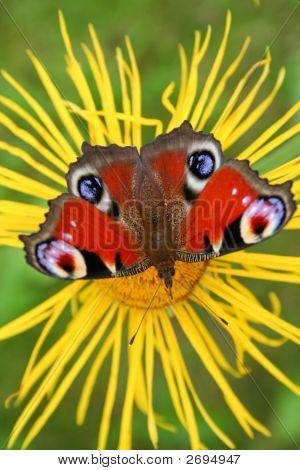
(235, 209)
(87, 233)
(116, 169)
(182, 162)
(79, 241)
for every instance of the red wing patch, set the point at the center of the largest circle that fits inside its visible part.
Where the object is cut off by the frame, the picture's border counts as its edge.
(236, 208)
(167, 159)
(115, 166)
(79, 241)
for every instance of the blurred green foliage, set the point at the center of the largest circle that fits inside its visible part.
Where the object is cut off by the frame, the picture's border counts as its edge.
(155, 28)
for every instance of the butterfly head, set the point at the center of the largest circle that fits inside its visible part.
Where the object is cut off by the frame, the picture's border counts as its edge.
(166, 272)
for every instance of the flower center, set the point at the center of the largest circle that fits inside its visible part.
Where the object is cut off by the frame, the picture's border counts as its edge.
(139, 290)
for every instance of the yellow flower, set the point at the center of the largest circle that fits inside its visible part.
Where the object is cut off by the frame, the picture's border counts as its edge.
(101, 313)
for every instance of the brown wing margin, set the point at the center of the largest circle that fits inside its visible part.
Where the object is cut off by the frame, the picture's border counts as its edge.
(45, 232)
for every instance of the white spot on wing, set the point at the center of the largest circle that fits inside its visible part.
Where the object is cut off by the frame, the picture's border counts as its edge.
(67, 237)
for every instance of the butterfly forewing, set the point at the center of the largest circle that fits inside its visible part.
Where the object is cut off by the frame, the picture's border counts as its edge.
(182, 162)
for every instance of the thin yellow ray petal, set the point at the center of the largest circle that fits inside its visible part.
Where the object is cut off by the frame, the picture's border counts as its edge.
(275, 302)
(108, 114)
(251, 310)
(85, 294)
(296, 190)
(21, 224)
(257, 336)
(62, 351)
(263, 274)
(199, 346)
(265, 362)
(284, 172)
(280, 262)
(57, 311)
(12, 328)
(293, 224)
(211, 344)
(21, 208)
(213, 73)
(165, 98)
(13, 242)
(192, 85)
(169, 375)
(15, 232)
(136, 95)
(74, 305)
(30, 324)
(273, 144)
(58, 104)
(149, 352)
(241, 288)
(126, 103)
(237, 115)
(33, 163)
(220, 87)
(239, 411)
(217, 128)
(90, 381)
(141, 400)
(96, 126)
(240, 356)
(192, 428)
(140, 393)
(183, 82)
(106, 309)
(66, 149)
(125, 436)
(29, 139)
(174, 345)
(105, 89)
(242, 304)
(257, 143)
(280, 268)
(7, 233)
(22, 184)
(253, 117)
(112, 384)
(68, 380)
(239, 319)
(29, 119)
(46, 361)
(157, 123)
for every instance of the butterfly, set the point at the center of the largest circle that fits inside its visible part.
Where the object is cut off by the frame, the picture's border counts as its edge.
(175, 200)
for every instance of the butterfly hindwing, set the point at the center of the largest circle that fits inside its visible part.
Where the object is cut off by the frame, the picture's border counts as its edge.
(236, 209)
(79, 241)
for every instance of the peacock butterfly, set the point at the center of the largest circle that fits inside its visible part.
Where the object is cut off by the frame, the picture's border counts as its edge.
(176, 200)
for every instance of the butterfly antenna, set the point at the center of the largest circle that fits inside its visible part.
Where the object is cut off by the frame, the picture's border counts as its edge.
(144, 315)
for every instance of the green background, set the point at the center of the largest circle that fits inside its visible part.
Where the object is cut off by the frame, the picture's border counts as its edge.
(155, 28)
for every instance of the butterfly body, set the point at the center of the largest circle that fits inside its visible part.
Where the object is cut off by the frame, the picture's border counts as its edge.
(175, 200)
